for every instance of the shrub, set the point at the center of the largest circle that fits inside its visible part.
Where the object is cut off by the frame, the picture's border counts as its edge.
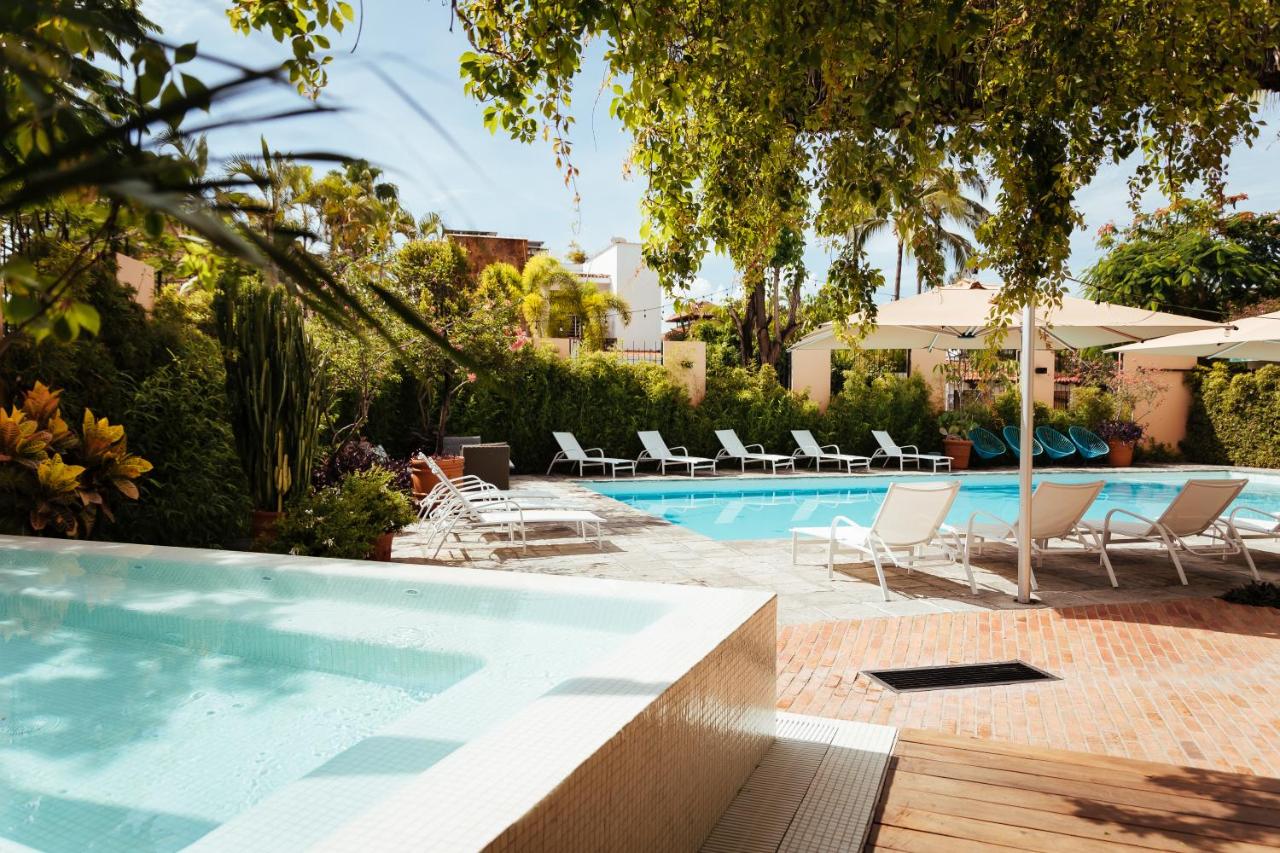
(1254, 594)
(1235, 417)
(53, 481)
(343, 521)
(356, 455)
(1091, 406)
(901, 406)
(1125, 431)
(753, 403)
(197, 495)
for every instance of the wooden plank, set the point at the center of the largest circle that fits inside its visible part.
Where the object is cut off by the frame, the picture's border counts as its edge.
(997, 834)
(1070, 831)
(1167, 801)
(1087, 759)
(1139, 779)
(913, 841)
(1143, 821)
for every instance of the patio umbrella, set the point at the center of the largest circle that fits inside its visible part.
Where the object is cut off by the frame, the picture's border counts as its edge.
(959, 317)
(1250, 339)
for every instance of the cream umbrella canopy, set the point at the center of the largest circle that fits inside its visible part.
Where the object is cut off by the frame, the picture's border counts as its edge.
(1249, 339)
(959, 317)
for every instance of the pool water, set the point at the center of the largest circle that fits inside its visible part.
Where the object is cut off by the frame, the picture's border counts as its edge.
(146, 702)
(767, 507)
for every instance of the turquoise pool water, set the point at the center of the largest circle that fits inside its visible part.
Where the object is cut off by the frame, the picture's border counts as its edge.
(768, 507)
(144, 702)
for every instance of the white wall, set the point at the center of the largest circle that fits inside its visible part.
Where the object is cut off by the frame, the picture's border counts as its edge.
(637, 284)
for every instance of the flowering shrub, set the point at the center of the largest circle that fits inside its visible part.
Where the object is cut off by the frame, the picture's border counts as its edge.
(344, 520)
(1125, 431)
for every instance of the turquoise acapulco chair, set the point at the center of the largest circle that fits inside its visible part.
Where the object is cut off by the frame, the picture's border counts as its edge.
(986, 443)
(1013, 437)
(1057, 445)
(1089, 445)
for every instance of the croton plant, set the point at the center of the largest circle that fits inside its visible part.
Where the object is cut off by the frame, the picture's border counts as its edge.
(53, 481)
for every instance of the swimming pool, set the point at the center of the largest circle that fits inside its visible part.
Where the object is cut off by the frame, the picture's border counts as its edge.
(768, 507)
(152, 699)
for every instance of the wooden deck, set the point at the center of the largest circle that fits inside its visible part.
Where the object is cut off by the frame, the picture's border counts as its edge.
(958, 794)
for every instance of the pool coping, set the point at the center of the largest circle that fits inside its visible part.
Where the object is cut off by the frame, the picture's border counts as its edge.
(490, 783)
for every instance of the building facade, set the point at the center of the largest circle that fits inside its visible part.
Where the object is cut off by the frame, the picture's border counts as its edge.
(622, 265)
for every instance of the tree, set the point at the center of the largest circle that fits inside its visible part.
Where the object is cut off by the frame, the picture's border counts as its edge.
(1199, 256)
(921, 224)
(742, 107)
(762, 331)
(590, 307)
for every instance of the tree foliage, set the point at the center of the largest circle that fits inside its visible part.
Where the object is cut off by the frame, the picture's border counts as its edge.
(742, 111)
(1198, 256)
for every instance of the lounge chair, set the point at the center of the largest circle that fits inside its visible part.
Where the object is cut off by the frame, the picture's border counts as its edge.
(505, 514)
(1195, 511)
(1056, 510)
(1055, 444)
(656, 450)
(733, 448)
(808, 448)
(909, 519)
(908, 452)
(986, 443)
(571, 451)
(1013, 438)
(1265, 526)
(1088, 444)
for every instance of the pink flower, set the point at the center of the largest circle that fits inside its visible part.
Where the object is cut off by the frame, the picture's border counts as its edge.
(471, 377)
(521, 339)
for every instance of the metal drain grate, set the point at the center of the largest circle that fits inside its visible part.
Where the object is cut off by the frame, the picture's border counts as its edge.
(910, 679)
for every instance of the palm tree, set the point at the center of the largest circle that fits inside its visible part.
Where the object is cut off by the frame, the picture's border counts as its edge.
(591, 307)
(921, 223)
(277, 210)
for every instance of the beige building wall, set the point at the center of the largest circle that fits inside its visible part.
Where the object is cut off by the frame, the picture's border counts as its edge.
(561, 346)
(140, 276)
(686, 361)
(925, 363)
(1167, 420)
(811, 375)
(1042, 383)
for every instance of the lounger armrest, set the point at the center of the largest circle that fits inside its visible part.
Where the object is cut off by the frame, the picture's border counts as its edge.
(834, 448)
(683, 451)
(599, 451)
(749, 446)
(1106, 522)
(845, 521)
(723, 454)
(905, 447)
(991, 515)
(1274, 516)
(798, 452)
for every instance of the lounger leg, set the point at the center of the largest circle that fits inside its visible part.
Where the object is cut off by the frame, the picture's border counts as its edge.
(1173, 555)
(884, 586)
(973, 584)
(831, 559)
(1105, 559)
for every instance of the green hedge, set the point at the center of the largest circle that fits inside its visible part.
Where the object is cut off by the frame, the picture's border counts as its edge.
(605, 402)
(1235, 417)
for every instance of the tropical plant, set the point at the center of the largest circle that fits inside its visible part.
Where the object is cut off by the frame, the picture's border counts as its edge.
(55, 481)
(739, 113)
(922, 223)
(1201, 256)
(582, 305)
(346, 519)
(531, 289)
(274, 389)
(957, 423)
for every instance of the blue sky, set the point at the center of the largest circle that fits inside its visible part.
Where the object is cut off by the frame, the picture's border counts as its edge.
(496, 184)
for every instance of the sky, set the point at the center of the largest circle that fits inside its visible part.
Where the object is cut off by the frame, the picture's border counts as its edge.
(480, 181)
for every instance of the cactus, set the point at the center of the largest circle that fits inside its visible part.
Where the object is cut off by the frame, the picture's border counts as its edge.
(274, 388)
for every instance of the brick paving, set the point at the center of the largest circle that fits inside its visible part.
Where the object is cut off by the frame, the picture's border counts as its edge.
(1190, 682)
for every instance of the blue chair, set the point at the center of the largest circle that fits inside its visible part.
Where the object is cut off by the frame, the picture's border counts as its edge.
(1089, 445)
(1013, 438)
(1057, 445)
(986, 443)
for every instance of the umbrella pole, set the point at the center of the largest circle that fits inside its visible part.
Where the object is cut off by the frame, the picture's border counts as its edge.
(1026, 444)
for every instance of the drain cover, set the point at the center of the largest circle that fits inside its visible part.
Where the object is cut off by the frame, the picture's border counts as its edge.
(909, 679)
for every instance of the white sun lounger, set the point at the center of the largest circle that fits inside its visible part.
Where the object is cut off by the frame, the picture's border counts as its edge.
(735, 449)
(1265, 526)
(484, 507)
(888, 451)
(571, 451)
(808, 448)
(1195, 511)
(656, 450)
(908, 521)
(1056, 511)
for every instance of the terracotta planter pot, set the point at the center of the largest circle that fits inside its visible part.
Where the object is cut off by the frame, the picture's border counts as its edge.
(381, 550)
(1121, 454)
(958, 449)
(424, 479)
(262, 525)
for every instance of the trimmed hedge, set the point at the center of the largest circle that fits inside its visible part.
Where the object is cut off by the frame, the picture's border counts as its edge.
(605, 402)
(1235, 417)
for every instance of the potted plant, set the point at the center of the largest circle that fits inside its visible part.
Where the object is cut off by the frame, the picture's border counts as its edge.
(356, 519)
(954, 427)
(1120, 437)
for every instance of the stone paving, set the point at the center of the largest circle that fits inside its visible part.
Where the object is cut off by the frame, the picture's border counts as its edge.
(638, 546)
